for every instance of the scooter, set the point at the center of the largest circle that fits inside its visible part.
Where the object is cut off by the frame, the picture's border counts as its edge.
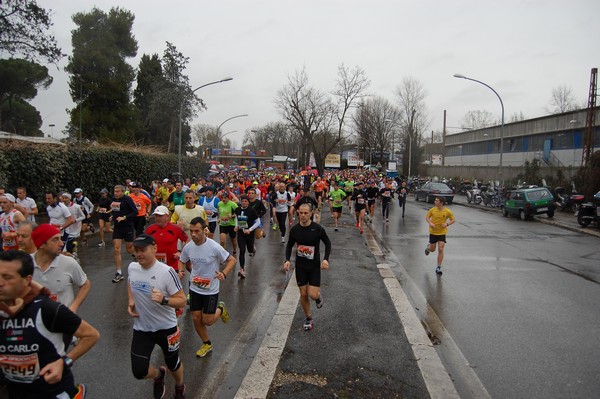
(589, 212)
(474, 195)
(568, 202)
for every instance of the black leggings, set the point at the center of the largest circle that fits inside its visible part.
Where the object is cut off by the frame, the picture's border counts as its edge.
(385, 208)
(143, 343)
(245, 241)
(281, 219)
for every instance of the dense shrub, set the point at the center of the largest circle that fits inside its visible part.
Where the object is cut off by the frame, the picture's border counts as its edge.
(63, 168)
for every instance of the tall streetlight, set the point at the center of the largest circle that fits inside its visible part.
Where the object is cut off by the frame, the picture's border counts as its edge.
(460, 76)
(219, 129)
(181, 116)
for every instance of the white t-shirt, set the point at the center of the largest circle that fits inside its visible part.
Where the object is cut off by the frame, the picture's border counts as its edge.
(63, 277)
(153, 315)
(58, 214)
(205, 259)
(30, 205)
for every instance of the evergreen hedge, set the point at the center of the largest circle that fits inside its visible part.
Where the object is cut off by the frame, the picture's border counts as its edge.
(63, 168)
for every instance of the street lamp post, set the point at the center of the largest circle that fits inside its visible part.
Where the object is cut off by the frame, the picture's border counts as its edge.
(181, 116)
(219, 129)
(460, 76)
(52, 129)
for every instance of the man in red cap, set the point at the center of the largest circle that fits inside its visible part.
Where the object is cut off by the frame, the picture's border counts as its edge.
(55, 271)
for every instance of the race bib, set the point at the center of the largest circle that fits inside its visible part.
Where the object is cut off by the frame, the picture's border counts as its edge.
(282, 201)
(361, 201)
(306, 251)
(20, 368)
(138, 206)
(161, 257)
(208, 213)
(173, 340)
(115, 206)
(243, 224)
(102, 210)
(201, 282)
(337, 201)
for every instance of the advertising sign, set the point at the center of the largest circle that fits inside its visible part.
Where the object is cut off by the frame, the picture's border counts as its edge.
(332, 161)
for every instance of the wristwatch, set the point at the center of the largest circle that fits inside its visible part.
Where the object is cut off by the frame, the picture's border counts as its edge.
(68, 361)
(165, 300)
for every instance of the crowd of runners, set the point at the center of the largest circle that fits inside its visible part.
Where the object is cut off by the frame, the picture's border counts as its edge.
(205, 226)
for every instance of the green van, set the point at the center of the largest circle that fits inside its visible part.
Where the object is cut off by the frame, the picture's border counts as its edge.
(526, 202)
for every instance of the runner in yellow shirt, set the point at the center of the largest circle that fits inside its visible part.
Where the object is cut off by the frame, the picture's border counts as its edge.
(439, 218)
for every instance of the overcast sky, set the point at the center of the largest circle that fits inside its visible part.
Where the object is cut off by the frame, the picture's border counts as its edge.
(522, 48)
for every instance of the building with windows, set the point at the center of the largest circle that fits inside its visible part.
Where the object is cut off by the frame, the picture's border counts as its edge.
(554, 140)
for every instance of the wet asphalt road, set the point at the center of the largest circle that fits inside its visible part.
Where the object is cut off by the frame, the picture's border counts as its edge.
(516, 308)
(515, 312)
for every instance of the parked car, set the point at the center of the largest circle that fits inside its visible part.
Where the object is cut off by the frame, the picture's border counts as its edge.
(526, 202)
(430, 190)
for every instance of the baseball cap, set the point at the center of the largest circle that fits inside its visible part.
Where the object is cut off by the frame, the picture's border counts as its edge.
(143, 240)
(9, 197)
(161, 210)
(66, 195)
(77, 191)
(165, 180)
(134, 184)
(104, 190)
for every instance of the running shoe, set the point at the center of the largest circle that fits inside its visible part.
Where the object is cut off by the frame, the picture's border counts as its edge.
(357, 224)
(187, 298)
(118, 277)
(387, 220)
(102, 243)
(283, 240)
(180, 392)
(159, 384)
(274, 227)
(319, 301)
(361, 230)
(308, 324)
(204, 350)
(242, 274)
(81, 391)
(224, 312)
(336, 229)
(438, 270)
(427, 252)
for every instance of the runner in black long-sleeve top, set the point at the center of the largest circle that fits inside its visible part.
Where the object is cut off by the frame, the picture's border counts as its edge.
(308, 236)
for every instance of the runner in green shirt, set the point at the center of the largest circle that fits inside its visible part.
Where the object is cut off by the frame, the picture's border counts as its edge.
(336, 196)
(349, 189)
(226, 210)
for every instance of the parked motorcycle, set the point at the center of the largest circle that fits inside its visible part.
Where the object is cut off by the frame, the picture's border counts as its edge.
(474, 195)
(589, 212)
(568, 202)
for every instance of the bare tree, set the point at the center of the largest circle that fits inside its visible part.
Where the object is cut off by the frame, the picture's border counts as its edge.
(517, 117)
(319, 118)
(372, 127)
(275, 138)
(562, 100)
(413, 119)
(477, 119)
